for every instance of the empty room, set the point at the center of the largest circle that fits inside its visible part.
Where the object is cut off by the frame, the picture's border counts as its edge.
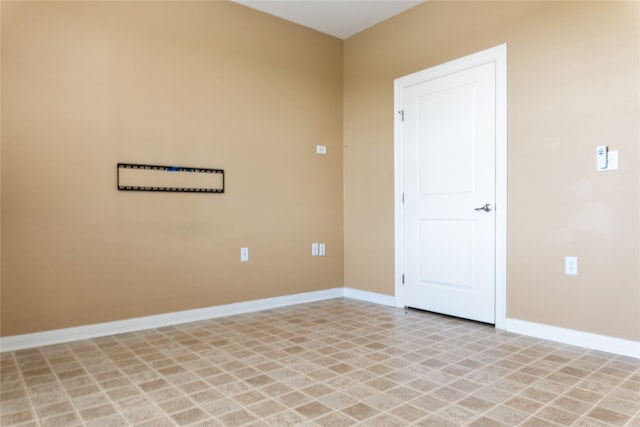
(320, 213)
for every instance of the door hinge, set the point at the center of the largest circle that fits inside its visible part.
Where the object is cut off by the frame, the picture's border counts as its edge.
(403, 198)
(401, 112)
(403, 279)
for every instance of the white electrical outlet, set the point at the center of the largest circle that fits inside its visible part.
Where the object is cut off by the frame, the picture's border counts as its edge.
(314, 249)
(322, 249)
(244, 254)
(571, 265)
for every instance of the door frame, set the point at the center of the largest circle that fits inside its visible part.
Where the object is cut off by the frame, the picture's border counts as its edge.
(498, 55)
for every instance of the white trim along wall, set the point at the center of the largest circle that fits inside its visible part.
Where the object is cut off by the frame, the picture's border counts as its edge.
(58, 336)
(547, 332)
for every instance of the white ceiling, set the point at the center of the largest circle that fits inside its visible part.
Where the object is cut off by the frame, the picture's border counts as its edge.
(339, 18)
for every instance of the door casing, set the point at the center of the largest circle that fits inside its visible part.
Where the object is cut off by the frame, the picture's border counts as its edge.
(498, 55)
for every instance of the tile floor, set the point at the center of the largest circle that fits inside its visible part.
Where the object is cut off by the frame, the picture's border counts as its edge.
(332, 363)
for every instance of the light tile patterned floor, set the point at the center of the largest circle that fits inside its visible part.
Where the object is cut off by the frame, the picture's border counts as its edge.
(332, 363)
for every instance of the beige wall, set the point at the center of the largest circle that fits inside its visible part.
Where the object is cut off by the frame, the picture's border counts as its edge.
(573, 84)
(212, 84)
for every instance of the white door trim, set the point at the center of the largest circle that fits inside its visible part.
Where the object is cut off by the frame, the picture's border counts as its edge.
(498, 55)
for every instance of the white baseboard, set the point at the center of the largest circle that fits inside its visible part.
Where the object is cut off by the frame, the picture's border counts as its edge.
(573, 337)
(538, 330)
(367, 296)
(58, 336)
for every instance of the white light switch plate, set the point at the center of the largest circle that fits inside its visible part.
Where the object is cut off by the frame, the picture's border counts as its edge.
(612, 161)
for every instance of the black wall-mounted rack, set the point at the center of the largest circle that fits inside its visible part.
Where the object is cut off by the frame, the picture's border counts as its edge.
(179, 179)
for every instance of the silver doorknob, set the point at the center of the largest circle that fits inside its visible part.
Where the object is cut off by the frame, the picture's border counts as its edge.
(487, 208)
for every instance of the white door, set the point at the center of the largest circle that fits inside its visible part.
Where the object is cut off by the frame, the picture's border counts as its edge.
(448, 147)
